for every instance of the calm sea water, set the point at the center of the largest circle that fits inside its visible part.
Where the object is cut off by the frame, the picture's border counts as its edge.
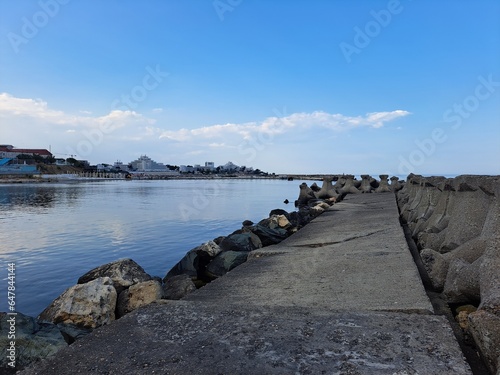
(54, 233)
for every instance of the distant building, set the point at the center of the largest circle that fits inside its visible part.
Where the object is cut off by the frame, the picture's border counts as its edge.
(120, 166)
(186, 169)
(9, 151)
(209, 165)
(146, 164)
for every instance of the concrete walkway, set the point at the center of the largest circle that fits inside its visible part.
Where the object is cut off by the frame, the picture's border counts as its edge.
(341, 296)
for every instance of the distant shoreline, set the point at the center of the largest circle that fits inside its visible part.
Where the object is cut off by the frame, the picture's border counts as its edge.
(69, 179)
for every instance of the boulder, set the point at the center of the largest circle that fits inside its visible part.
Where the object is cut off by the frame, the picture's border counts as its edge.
(301, 217)
(247, 223)
(245, 241)
(383, 186)
(195, 261)
(270, 236)
(88, 305)
(34, 340)
(279, 211)
(123, 272)
(138, 295)
(177, 287)
(316, 210)
(225, 262)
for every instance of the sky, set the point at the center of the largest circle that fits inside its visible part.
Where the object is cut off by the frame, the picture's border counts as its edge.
(295, 86)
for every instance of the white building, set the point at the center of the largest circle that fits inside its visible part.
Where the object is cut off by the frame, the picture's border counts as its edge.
(146, 164)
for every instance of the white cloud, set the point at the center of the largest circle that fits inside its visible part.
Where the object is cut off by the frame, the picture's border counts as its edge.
(39, 111)
(278, 125)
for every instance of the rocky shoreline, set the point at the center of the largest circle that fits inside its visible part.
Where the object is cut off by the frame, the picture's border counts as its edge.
(113, 290)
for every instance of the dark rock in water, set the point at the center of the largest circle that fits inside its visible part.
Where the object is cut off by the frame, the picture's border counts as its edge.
(241, 242)
(123, 272)
(195, 261)
(247, 223)
(225, 262)
(34, 340)
(270, 236)
(286, 201)
(177, 287)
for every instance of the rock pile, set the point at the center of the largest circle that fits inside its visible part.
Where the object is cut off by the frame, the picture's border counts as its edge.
(455, 224)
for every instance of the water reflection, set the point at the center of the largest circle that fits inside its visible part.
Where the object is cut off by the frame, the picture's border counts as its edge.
(32, 197)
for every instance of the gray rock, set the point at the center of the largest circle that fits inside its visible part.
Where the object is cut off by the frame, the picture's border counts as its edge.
(123, 272)
(195, 261)
(246, 241)
(269, 236)
(88, 305)
(177, 287)
(138, 295)
(33, 340)
(225, 262)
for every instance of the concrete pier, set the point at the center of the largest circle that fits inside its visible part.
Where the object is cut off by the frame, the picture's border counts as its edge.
(341, 296)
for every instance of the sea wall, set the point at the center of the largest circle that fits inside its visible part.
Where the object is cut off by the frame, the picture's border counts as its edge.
(455, 224)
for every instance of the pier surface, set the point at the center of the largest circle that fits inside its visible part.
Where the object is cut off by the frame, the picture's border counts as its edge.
(341, 296)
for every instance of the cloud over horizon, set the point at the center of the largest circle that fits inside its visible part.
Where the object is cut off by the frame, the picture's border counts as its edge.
(278, 125)
(125, 134)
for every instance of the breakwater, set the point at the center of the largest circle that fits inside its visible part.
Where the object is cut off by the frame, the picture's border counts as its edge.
(349, 271)
(455, 224)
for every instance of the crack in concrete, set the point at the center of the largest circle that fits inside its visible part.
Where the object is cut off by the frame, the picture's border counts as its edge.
(322, 244)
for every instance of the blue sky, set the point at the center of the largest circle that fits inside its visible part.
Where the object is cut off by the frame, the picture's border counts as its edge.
(347, 86)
